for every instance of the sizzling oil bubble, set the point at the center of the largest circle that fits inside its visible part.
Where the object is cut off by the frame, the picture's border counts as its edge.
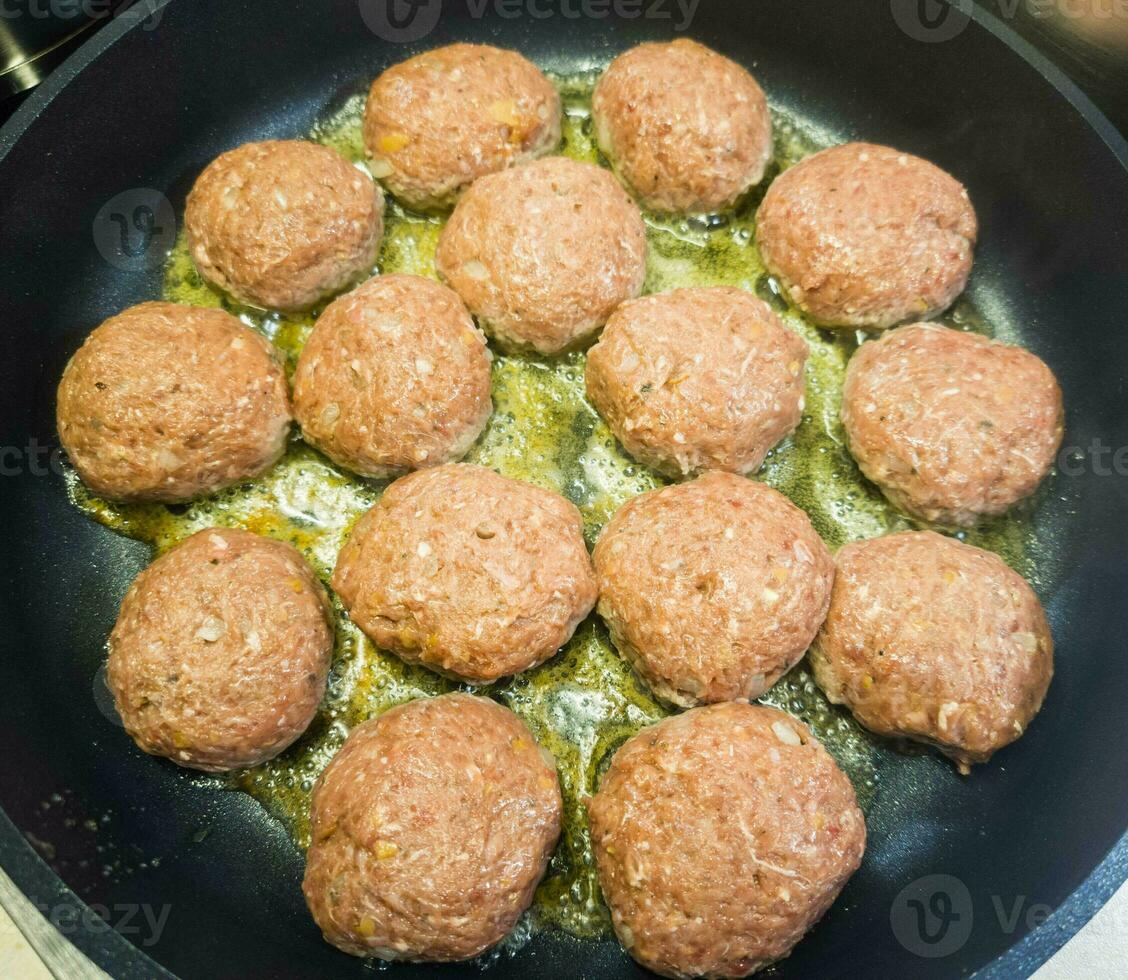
(585, 702)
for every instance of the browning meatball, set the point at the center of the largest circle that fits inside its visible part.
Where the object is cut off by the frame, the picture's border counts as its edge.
(467, 572)
(438, 121)
(282, 224)
(698, 379)
(167, 402)
(952, 426)
(431, 828)
(712, 589)
(865, 236)
(686, 128)
(721, 836)
(544, 252)
(394, 377)
(221, 651)
(934, 640)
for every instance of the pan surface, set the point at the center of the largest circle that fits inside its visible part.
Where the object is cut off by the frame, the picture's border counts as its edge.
(154, 97)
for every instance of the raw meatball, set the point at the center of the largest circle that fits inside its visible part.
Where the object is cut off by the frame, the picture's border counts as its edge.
(167, 402)
(438, 121)
(698, 379)
(469, 573)
(721, 836)
(282, 224)
(934, 640)
(952, 426)
(866, 236)
(712, 589)
(431, 828)
(394, 377)
(685, 127)
(544, 252)
(221, 650)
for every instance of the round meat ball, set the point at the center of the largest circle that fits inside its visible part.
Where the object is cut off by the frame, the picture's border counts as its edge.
(394, 377)
(951, 426)
(167, 402)
(284, 223)
(686, 128)
(438, 121)
(221, 651)
(934, 640)
(712, 589)
(698, 379)
(469, 573)
(430, 830)
(864, 236)
(542, 253)
(721, 836)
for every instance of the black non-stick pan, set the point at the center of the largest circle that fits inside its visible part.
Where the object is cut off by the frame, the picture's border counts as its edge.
(90, 821)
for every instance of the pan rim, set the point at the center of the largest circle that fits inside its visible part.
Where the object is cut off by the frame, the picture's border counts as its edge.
(115, 954)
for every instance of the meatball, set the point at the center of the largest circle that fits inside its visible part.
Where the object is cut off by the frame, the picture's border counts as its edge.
(698, 379)
(167, 402)
(394, 377)
(952, 426)
(282, 224)
(865, 236)
(467, 572)
(430, 830)
(220, 653)
(544, 252)
(934, 640)
(440, 120)
(721, 836)
(686, 128)
(712, 589)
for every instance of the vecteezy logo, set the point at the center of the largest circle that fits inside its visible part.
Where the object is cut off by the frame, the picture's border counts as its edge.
(135, 230)
(401, 21)
(932, 916)
(931, 21)
(104, 698)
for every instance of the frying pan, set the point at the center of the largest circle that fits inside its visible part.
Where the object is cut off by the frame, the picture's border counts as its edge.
(150, 100)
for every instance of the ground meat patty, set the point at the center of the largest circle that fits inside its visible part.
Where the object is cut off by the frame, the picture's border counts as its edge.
(167, 402)
(952, 426)
(686, 128)
(431, 828)
(721, 836)
(282, 224)
(934, 640)
(394, 377)
(544, 252)
(221, 650)
(866, 236)
(440, 120)
(712, 589)
(467, 572)
(698, 379)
